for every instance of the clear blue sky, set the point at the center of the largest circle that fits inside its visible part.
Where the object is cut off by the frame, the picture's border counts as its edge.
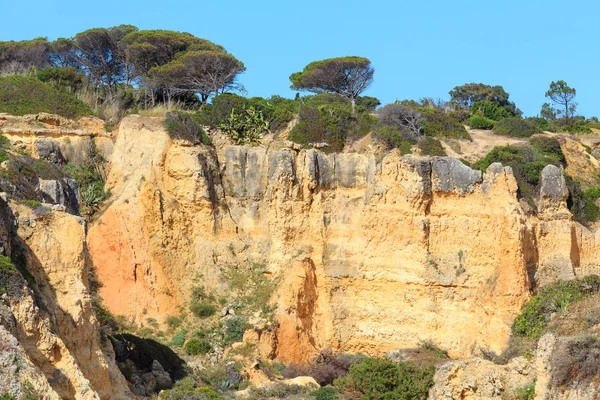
(418, 48)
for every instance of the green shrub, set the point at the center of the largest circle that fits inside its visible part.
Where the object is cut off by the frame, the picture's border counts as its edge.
(179, 338)
(185, 389)
(173, 322)
(548, 146)
(526, 162)
(63, 78)
(325, 393)
(431, 147)
(181, 126)
(276, 111)
(247, 125)
(479, 122)
(20, 95)
(394, 139)
(489, 110)
(515, 127)
(202, 309)
(526, 392)
(234, 329)
(440, 123)
(582, 203)
(90, 183)
(378, 378)
(534, 318)
(196, 346)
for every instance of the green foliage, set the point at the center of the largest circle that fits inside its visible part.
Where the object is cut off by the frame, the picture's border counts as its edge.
(252, 287)
(11, 280)
(234, 329)
(392, 137)
(185, 389)
(490, 110)
(277, 111)
(582, 203)
(278, 391)
(526, 392)
(20, 95)
(346, 76)
(181, 126)
(563, 96)
(325, 393)
(378, 378)
(548, 146)
(431, 147)
(202, 309)
(556, 297)
(469, 94)
(526, 162)
(245, 126)
(196, 346)
(441, 123)
(62, 78)
(33, 204)
(179, 338)
(515, 127)
(480, 122)
(173, 322)
(7, 396)
(433, 348)
(90, 182)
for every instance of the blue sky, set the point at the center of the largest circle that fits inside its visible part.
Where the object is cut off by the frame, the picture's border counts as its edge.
(418, 48)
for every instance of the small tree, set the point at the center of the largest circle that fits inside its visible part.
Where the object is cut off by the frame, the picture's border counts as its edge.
(346, 76)
(563, 96)
(407, 121)
(465, 96)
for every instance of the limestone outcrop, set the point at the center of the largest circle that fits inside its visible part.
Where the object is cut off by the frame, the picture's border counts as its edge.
(371, 256)
(53, 329)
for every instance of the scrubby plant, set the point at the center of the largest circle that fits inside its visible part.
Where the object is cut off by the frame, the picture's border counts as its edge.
(196, 346)
(534, 318)
(325, 368)
(441, 123)
(179, 338)
(245, 126)
(21, 95)
(180, 125)
(325, 393)
(577, 360)
(173, 322)
(515, 127)
(431, 147)
(392, 138)
(490, 110)
(378, 378)
(526, 392)
(234, 329)
(480, 122)
(406, 120)
(203, 309)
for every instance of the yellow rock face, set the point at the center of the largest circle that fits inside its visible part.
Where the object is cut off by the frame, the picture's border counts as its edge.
(60, 335)
(371, 257)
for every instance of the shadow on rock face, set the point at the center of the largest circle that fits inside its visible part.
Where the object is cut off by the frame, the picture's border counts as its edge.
(148, 365)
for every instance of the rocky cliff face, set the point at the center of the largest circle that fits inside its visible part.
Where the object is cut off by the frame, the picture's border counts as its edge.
(370, 256)
(50, 344)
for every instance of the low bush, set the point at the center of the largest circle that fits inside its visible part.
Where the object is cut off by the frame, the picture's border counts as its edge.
(173, 322)
(479, 122)
(392, 138)
(406, 120)
(515, 127)
(526, 162)
(196, 346)
(576, 361)
(234, 329)
(203, 309)
(325, 393)
(278, 391)
(534, 318)
(431, 147)
(378, 378)
(548, 146)
(180, 125)
(526, 392)
(185, 389)
(442, 123)
(179, 338)
(21, 95)
(11, 281)
(489, 110)
(245, 126)
(582, 203)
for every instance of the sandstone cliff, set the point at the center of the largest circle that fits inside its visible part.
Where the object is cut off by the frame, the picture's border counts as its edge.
(49, 335)
(370, 256)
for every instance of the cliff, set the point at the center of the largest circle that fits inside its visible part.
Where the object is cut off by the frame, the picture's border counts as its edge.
(369, 256)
